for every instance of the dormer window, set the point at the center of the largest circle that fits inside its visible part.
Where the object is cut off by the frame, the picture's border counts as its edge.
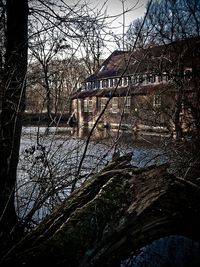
(129, 80)
(141, 79)
(93, 85)
(111, 82)
(125, 81)
(97, 84)
(88, 86)
(105, 83)
(115, 81)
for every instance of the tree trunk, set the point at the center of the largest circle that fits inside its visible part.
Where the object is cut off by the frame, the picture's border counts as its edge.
(13, 102)
(48, 96)
(115, 213)
(177, 114)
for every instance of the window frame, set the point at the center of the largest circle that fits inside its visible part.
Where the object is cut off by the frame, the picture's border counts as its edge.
(87, 105)
(157, 100)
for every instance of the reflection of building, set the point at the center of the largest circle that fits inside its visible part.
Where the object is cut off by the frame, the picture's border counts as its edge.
(148, 89)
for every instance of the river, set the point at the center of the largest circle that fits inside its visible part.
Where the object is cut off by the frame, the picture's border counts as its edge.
(50, 159)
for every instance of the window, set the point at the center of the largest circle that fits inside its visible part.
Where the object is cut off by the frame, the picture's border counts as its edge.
(87, 105)
(127, 104)
(103, 102)
(157, 100)
(90, 105)
(114, 104)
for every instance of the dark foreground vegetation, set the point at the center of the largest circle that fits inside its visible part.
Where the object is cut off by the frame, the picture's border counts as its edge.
(115, 213)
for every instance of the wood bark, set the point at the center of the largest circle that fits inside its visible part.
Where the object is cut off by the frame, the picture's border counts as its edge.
(112, 215)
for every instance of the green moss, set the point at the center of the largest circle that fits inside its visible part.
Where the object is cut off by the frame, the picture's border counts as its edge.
(86, 224)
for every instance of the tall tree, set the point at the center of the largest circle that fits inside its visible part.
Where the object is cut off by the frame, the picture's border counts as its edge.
(53, 14)
(13, 101)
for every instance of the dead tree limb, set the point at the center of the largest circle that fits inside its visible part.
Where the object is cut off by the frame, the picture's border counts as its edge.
(115, 213)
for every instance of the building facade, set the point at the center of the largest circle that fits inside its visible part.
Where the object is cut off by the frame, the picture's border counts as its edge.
(150, 89)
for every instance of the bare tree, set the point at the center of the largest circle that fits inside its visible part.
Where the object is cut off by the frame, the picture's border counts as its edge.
(46, 48)
(93, 32)
(13, 88)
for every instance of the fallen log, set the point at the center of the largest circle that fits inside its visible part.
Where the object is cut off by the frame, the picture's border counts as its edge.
(112, 215)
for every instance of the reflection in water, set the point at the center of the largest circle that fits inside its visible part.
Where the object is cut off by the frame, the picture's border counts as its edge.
(146, 148)
(123, 136)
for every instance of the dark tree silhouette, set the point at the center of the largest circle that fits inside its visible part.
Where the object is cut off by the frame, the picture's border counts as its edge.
(13, 100)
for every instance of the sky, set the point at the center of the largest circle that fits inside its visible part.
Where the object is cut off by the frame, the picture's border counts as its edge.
(114, 7)
(136, 9)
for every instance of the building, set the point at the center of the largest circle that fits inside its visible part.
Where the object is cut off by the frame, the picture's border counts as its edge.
(150, 89)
